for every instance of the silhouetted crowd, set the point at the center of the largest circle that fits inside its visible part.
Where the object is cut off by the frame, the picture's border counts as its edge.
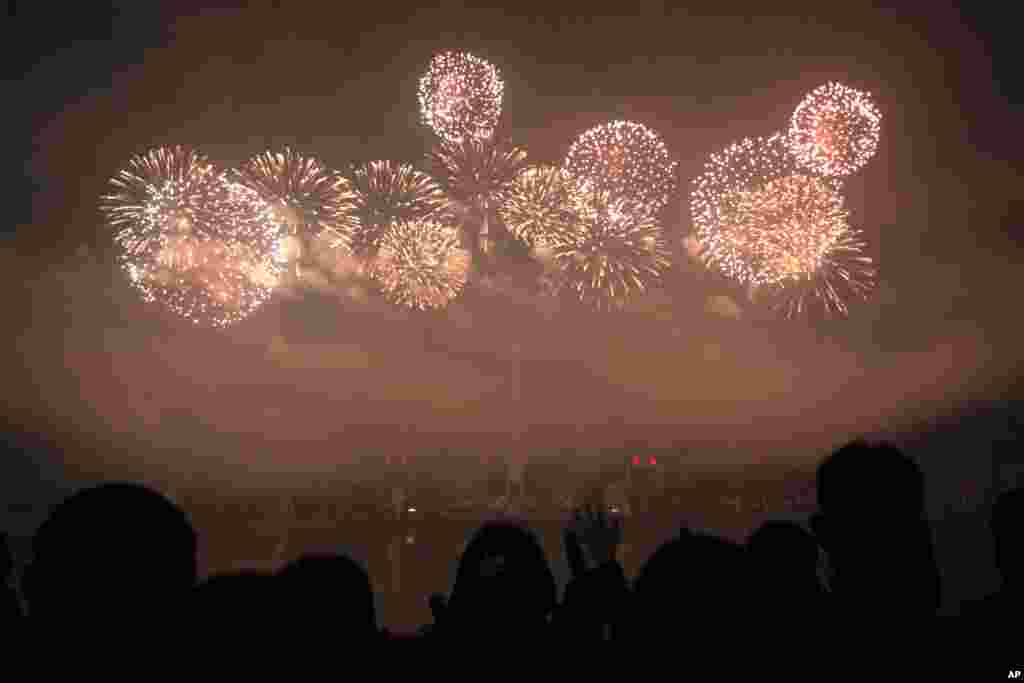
(122, 554)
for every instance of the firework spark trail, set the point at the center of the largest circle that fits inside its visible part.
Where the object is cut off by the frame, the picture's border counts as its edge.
(473, 170)
(835, 129)
(317, 202)
(460, 96)
(614, 251)
(191, 239)
(420, 264)
(538, 204)
(477, 175)
(627, 160)
(386, 192)
(846, 273)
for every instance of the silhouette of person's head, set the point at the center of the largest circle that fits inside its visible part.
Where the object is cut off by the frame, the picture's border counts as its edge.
(784, 560)
(330, 589)
(246, 597)
(1007, 525)
(785, 547)
(871, 522)
(503, 582)
(870, 479)
(693, 575)
(866, 492)
(112, 550)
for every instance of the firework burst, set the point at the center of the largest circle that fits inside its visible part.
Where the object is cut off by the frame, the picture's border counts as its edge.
(614, 251)
(460, 96)
(387, 192)
(315, 202)
(834, 131)
(781, 231)
(778, 231)
(420, 264)
(477, 176)
(207, 248)
(718, 196)
(538, 204)
(844, 274)
(473, 170)
(625, 159)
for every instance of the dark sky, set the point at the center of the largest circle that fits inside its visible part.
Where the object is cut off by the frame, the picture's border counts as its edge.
(118, 389)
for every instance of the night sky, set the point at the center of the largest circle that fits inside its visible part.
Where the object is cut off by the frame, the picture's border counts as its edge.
(113, 388)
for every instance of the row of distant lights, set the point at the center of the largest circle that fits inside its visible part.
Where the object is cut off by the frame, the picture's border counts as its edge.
(636, 460)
